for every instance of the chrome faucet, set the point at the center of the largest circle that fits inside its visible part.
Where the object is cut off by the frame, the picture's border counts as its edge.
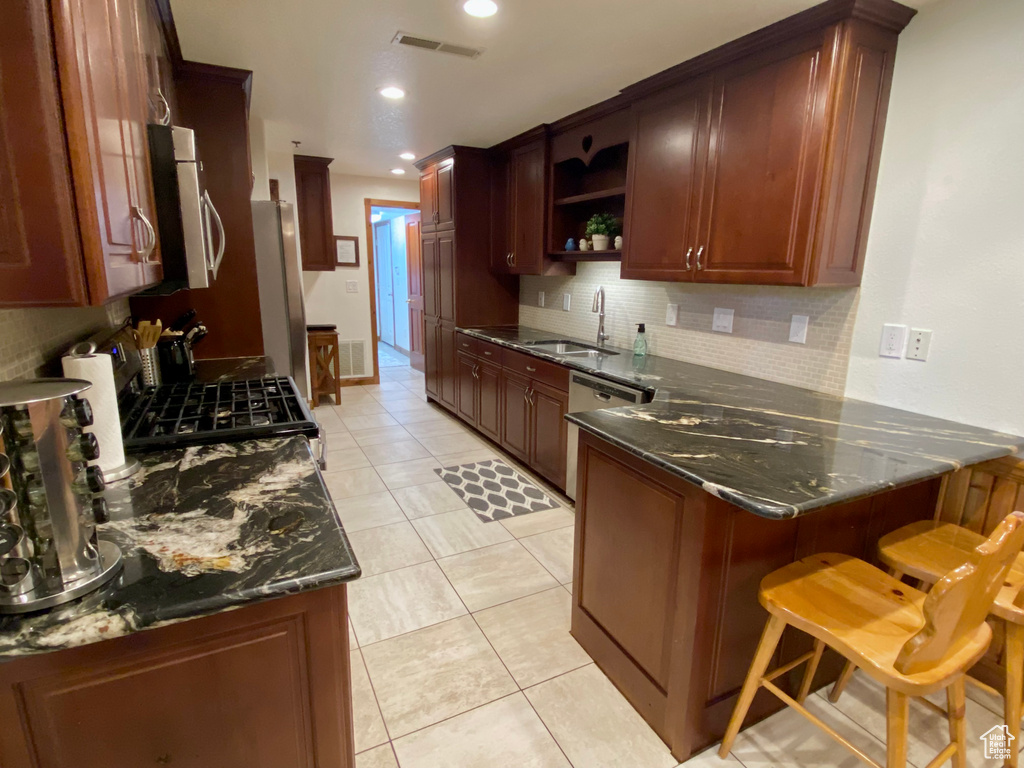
(602, 337)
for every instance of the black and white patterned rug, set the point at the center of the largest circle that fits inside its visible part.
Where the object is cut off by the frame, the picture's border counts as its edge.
(494, 490)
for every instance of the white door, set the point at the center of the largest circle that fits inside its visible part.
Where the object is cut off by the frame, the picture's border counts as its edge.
(400, 282)
(385, 291)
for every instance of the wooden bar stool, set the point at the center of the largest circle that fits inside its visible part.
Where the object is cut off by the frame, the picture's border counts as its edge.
(323, 363)
(913, 643)
(971, 502)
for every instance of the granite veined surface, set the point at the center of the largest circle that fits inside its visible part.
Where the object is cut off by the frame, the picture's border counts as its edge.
(773, 449)
(202, 530)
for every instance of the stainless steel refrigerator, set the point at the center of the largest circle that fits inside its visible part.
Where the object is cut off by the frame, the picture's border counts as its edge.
(280, 279)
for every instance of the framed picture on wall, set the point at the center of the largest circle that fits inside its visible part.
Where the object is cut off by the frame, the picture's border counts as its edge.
(346, 251)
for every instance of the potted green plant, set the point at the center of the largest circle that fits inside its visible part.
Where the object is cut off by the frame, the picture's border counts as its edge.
(600, 228)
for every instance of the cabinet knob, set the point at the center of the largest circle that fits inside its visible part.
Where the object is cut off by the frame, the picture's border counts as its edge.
(689, 252)
(699, 252)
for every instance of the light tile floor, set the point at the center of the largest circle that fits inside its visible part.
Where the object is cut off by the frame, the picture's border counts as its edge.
(461, 652)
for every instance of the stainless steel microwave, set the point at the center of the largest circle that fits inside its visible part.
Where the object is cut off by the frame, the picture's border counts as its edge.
(191, 232)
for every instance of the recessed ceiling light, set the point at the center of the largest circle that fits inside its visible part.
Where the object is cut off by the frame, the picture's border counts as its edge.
(480, 8)
(407, 156)
(398, 171)
(392, 92)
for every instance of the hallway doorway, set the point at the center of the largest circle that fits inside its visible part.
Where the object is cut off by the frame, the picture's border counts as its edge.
(397, 279)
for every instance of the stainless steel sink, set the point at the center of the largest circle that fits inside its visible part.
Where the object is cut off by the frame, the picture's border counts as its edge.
(569, 348)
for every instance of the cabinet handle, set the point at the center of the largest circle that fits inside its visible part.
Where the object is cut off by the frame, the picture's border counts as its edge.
(513, 258)
(689, 252)
(147, 249)
(699, 252)
(526, 395)
(530, 393)
(531, 369)
(164, 115)
(508, 258)
(466, 346)
(487, 353)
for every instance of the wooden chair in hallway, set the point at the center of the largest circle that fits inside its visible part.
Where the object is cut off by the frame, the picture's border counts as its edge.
(971, 504)
(911, 642)
(323, 363)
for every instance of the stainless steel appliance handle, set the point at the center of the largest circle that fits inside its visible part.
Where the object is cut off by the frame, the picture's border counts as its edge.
(322, 438)
(215, 263)
(147, 249)
(603, 397)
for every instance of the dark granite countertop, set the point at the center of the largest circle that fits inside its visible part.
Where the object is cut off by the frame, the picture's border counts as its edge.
(202, 530)
(232, 368)
(775, 450)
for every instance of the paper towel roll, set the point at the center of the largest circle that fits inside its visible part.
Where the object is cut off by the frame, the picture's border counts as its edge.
(102, 396)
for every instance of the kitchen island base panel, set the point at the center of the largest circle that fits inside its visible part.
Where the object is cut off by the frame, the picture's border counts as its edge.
(263, 686)
(665, 586)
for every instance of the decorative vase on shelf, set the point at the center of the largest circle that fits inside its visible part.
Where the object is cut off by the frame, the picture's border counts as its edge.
(618, 242)
(600, 242)
(584, 245)
(570, 244)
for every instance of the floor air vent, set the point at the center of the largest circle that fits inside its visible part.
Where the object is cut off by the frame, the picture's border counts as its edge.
(351, 358)
(403, 38)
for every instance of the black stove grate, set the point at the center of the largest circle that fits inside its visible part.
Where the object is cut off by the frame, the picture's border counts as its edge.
(218, 412)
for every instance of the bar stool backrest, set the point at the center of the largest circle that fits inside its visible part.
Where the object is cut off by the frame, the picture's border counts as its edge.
(981, 496)
(960, 601)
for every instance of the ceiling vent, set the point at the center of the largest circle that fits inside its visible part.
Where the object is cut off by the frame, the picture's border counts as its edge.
(403, 38)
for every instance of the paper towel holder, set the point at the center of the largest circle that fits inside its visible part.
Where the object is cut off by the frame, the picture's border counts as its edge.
(131, 464)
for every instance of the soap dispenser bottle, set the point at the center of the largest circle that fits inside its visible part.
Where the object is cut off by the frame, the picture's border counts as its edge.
(640, 345)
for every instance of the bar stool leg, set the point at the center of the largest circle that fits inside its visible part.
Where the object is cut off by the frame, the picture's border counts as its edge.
(765, 650)
(897, 712)
(812, 667)
(1014, 683)
(840, 684)
(955, 706)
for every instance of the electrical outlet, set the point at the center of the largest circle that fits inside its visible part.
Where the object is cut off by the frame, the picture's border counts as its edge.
(798, 329)
(351, 286)
(672, 314)
(894, 340)
(566, 301)
(723, 320)
(540, 298)
(920, 341)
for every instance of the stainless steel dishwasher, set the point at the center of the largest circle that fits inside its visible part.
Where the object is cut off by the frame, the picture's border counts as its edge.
(589, 393)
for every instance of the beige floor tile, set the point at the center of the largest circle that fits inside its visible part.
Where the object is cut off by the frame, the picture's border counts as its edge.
(539, 522)
(407, 402)
(496, 574)
(361, 512)
(420, 414)
(367, 723)
(427, 499)
(406, 473)
(378, 757)
(506, 732)
(385, 386)
(863, 701)
(340, 441)
(554, 550)
(329, 420)
(388, 548)
(424, 677)
(484, 453)
(392, 453)
(707, 759)
(381, 435)
(347, 483)
(459, 531)
(353, 395)
(594, 725)
(531, 635)
(396, 602)
(439, 427)
(365, 407)
(345, 458)
(460, 442)
(373, 421)
(398, 374)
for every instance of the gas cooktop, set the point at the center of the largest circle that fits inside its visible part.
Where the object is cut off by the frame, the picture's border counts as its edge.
(173, 415)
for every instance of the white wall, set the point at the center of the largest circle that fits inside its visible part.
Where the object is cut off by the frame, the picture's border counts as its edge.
(946, 249)
(258, 152)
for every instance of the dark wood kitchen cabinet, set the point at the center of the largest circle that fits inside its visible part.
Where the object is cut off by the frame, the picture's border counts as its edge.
(488, 409)
(479, 384)
(314, 214)
(466, 367)
(515, 415)
(548, 431)
(458, 285)
(77, 220)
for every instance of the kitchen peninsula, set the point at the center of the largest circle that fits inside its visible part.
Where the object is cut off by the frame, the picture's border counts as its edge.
(222, 675)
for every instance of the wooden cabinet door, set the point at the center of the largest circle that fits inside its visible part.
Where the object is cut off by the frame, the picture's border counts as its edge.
(488, 416)
(431, 275)
(432, 356)
(527, 204)
(501, 216)
(549, 431)
(447, 387)
(467, 388)
(764, 166)
(313, 211)
(428, 198)
(446, 275)
(415, 285)
(445, 200)
(666, 160)
(515, 415)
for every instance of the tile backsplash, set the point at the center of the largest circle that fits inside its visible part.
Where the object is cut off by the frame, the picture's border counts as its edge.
(758, 346)
(32, 340)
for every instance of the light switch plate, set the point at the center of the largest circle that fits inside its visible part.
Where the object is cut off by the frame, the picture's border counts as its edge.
(920, 342)
(351, 286)
(672, 314)
(723, 320)
(540, 298)
(894, 340)
(566, 301)
(798, 329)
